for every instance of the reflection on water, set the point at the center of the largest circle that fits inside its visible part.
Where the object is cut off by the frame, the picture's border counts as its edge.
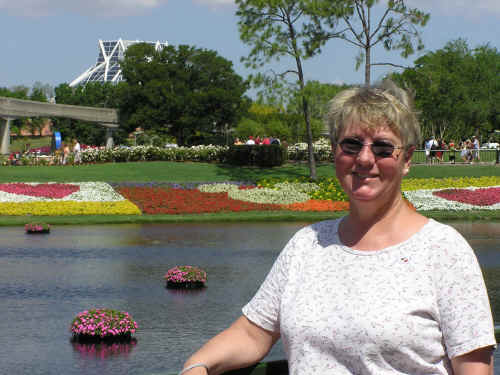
(46, 280)
(103, 350)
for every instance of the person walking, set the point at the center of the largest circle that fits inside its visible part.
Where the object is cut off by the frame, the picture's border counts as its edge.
(77, 152)
(475, 146)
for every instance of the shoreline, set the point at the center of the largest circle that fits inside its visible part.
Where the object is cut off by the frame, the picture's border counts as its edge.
(251, 216)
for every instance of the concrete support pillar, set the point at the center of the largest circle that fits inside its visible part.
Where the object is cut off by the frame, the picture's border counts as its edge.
(5, 136)
(109, 139)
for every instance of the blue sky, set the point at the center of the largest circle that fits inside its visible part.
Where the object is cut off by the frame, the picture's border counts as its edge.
(53, 41)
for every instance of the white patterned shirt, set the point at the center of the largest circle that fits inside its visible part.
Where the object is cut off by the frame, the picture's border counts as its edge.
(405, 309)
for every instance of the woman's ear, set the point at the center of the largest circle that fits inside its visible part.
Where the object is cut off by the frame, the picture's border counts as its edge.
(409, 154)
(407, 162)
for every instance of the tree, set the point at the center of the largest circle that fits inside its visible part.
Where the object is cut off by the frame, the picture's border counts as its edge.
(181, 91)
(457, 90)
(93, 94)
(318, 94)
(266, 120)
(397, 28)
(36, 124)
(275, 29)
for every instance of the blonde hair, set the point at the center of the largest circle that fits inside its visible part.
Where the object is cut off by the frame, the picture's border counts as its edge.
(383, 105)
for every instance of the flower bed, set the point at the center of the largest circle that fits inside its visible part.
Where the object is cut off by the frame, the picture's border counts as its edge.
(102, 325)
(79, 198)
(185, 277)
(180, 201)
(455, 199)
(37, 228)
(98, 198)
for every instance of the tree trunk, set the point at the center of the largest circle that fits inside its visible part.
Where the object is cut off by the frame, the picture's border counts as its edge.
(368, 56)
(310, 148)
(367, 66)
(305, 104)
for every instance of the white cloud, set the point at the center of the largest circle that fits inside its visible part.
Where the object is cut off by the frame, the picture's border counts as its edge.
(215, 4)
(458, 7)
(36, 8)
(108, 8)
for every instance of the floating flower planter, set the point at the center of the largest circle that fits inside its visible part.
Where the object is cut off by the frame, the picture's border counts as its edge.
(36, 228)
(107, 325)
(185, 277)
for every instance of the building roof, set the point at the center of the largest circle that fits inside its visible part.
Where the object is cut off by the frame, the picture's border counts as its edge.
(107, 67)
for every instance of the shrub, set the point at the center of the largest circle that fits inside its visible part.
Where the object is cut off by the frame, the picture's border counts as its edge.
(262, 156)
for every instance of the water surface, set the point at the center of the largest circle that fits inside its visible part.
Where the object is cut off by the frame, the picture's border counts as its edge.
(45, 280)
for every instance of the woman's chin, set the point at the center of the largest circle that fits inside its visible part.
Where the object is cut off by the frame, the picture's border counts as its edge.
(363, 193)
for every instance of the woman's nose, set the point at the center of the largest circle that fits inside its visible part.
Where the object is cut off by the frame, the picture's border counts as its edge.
(366, 154)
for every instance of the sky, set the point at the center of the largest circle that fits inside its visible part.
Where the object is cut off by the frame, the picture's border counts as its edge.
(54, 41)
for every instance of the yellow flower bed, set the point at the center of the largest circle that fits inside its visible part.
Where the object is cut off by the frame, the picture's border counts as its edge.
(410, 184)
(67, 208)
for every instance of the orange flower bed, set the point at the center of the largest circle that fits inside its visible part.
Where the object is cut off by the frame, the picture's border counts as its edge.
(317, 205)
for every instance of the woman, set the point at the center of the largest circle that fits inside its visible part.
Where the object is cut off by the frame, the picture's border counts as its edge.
(383, 290)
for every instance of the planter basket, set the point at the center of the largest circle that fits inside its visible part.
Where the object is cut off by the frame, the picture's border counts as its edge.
(185, 277)
(37, 228)
(102, 325)
(185, 285)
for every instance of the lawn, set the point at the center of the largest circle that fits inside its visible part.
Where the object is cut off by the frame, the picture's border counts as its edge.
(205, 172)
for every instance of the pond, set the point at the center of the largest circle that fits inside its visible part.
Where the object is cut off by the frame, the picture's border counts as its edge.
(45, 280)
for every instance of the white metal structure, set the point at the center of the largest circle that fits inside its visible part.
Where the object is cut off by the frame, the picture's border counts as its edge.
(107, 68)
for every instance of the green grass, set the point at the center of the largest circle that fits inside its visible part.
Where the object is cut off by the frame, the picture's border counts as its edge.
(253, 216)
(205, 172)
(19, 143)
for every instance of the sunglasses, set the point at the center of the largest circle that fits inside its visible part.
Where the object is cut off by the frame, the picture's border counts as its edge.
(381, 149)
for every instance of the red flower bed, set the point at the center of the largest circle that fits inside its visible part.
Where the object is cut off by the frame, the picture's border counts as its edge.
(318, 205)
(478, 197)
(56, 191)
(155, 201)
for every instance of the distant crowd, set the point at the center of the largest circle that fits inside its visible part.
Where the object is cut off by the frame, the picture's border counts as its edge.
(68, 152)
(258, 141)
(467, 150)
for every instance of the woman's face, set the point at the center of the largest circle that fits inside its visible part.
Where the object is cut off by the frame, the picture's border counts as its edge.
(365, 176)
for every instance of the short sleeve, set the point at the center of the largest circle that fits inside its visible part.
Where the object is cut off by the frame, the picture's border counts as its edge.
(264, 308)
(464, 308)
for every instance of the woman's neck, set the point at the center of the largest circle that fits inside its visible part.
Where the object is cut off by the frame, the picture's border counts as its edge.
(370, 226)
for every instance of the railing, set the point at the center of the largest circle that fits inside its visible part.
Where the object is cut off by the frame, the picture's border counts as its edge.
(486, 155)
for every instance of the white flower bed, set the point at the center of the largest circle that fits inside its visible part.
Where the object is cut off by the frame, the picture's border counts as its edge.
(89, 192)
(266, 195)
(149, 153)
(424, 200)
(304, 187)
(217, 188)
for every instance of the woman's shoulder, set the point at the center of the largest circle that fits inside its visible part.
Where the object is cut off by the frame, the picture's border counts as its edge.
(321, 233)
(444, 239)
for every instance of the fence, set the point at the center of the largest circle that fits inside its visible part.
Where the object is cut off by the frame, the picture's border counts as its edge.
(486, 155)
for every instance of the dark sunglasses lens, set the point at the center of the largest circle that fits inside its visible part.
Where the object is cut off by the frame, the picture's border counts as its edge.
(351, 146)
(383, 149)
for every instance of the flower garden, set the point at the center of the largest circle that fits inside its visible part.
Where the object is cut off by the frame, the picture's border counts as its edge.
(100, 198)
